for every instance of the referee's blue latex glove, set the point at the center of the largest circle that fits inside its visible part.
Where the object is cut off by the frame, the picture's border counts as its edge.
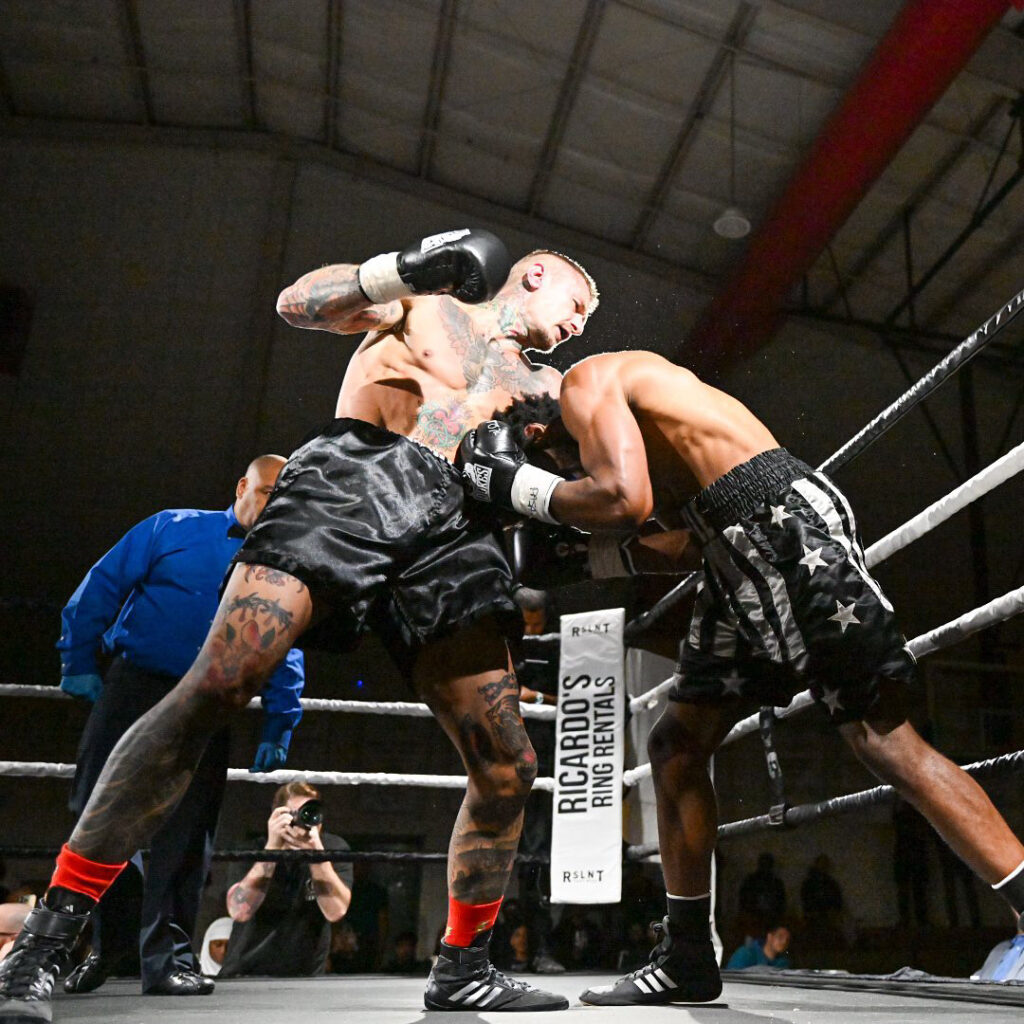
(87, 686)
(272, 752)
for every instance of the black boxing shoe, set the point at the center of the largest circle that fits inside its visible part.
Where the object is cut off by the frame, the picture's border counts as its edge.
(679, 971)
(92, 972)
(182, 982)
(465, 979)
(29, 971)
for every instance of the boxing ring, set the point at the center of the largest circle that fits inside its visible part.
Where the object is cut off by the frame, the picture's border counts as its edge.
(799, 996)
(382, 999)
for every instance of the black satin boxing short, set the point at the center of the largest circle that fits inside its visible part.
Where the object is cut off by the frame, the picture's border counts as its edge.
(379, 529)
(787, 602)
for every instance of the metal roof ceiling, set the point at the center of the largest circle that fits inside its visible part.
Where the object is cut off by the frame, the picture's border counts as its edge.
(611, 117)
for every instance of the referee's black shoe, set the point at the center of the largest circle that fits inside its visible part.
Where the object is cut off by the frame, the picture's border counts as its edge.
(679, 971)
(465, 979)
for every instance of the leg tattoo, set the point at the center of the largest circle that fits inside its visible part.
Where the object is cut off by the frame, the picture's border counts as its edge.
(151, 767)
(502, 766)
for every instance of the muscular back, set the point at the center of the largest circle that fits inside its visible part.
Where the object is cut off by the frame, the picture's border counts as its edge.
(654, 433)
(433, 375)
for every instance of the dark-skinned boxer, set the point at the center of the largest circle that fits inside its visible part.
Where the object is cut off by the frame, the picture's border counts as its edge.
(786, 602)
(368, 525)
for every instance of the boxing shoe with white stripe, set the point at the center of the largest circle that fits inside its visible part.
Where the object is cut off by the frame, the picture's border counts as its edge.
(465, 979)
(679, 971)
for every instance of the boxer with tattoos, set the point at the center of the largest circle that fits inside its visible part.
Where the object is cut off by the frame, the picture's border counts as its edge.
(368, 526)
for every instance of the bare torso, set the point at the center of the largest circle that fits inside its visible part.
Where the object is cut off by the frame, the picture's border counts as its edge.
(692, 433)
(435, 374)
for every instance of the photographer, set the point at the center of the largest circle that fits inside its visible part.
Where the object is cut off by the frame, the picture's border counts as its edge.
(283, 911)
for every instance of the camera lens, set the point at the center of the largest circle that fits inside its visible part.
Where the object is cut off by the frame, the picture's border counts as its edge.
(308, 815)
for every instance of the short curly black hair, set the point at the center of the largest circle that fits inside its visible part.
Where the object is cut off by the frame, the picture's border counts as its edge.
(541, 409)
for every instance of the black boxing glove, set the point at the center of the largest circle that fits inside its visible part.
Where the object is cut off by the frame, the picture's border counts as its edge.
(496, 470)
(469, 264)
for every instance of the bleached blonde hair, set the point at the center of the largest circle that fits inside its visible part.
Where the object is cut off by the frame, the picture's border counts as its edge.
(595, 295)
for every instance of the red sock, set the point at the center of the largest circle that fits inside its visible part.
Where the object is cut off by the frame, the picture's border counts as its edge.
(467, 920)
(79, 874)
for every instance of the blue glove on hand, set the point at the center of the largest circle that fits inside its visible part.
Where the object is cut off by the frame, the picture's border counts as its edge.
(87, 686)
(272, 752)
(269, 756)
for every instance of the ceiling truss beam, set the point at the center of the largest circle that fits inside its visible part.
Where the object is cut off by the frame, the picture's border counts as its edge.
(694, 284)
(243, 35)
(128, 13)
(438, 81)
(333, 35)
(736, 34)
(584, 46)
(939, 173)
(6, 99)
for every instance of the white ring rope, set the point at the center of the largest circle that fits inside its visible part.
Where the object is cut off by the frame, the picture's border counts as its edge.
(355, 707)
(998, 610)
(45, 770)
(1003, 469)
(924, 522)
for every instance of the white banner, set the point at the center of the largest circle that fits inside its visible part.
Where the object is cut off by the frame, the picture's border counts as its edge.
(586, 832)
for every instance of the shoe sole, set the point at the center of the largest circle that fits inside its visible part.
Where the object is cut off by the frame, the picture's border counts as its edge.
(78, 990)
(12, 1013)
(561, 1005)
(661, 999)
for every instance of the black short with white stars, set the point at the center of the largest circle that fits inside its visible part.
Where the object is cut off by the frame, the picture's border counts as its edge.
(787, 602)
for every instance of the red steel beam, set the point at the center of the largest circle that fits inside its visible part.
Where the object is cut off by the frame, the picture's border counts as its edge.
(926, 47)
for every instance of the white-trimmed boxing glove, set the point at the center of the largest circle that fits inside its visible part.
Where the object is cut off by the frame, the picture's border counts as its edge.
(469, 264)
(496, 471)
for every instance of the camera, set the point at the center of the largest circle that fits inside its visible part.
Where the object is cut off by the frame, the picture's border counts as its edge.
(308, 815)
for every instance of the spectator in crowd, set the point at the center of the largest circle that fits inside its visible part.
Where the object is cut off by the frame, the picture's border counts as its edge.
(215, 946)
(913, 840)
(369, 917)
(403, 957)
(283, 912)
(1005, 962)
(519, 943)
(12, 917)
(147, 605)
(536, 665)
(343, 958)
(956, 875)
(640, 939)
(762, 897)
(768, 952)
(577, 940)
(821, 897)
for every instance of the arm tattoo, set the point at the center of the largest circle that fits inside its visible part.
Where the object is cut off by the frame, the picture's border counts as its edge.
(246, 899)
(331, 298)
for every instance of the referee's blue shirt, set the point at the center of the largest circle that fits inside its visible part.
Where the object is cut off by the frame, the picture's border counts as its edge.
(152, 598)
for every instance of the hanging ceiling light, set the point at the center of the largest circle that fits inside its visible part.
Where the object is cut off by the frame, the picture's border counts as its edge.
(732, 221)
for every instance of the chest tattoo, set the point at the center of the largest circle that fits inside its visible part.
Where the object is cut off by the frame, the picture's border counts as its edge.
(485, 367)
(442, 424)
